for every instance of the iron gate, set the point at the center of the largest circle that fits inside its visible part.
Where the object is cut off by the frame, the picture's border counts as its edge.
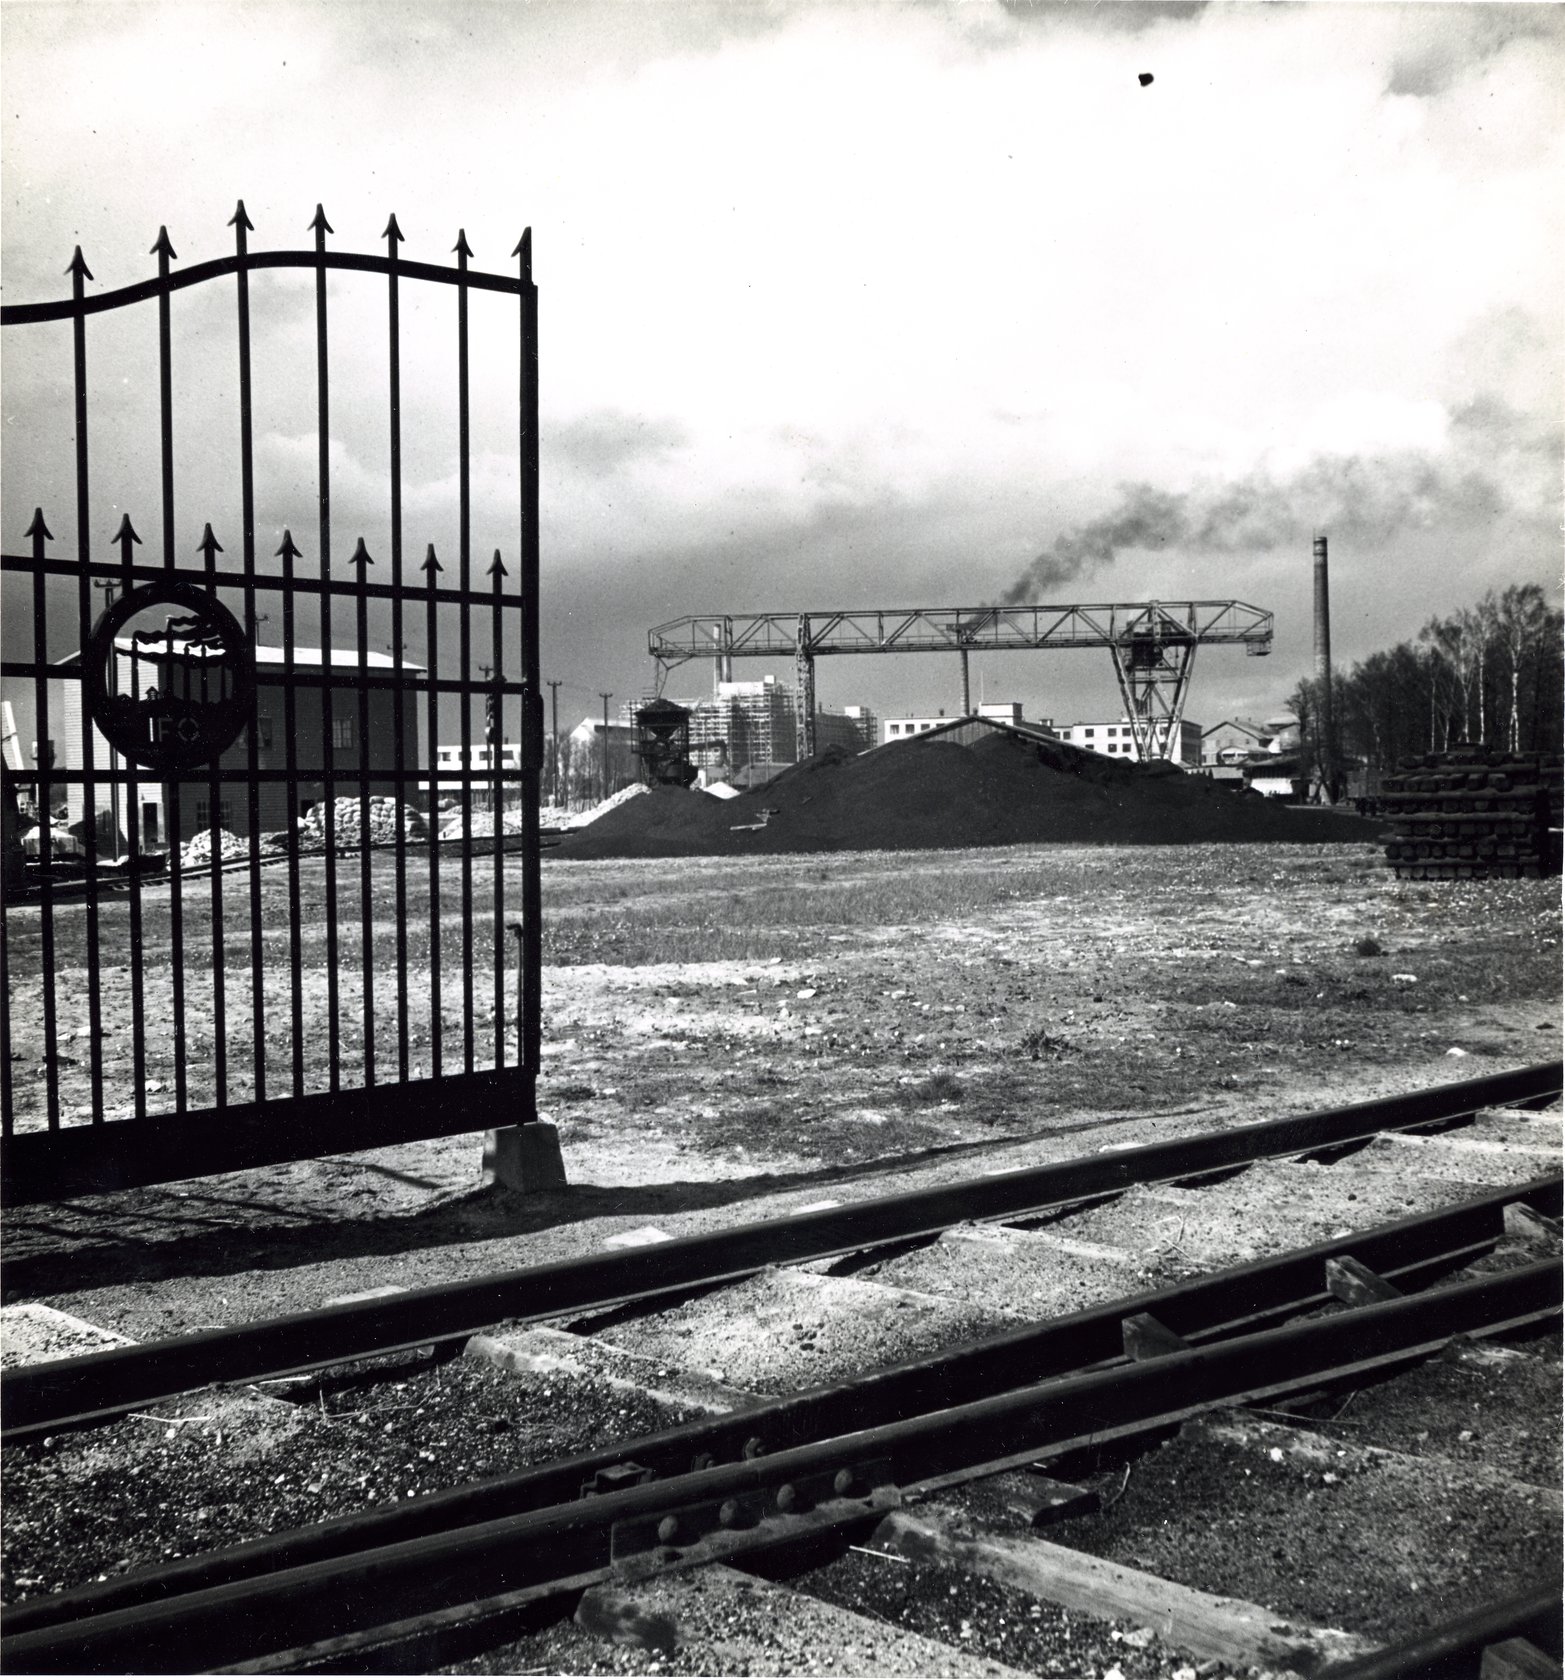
(279, 927)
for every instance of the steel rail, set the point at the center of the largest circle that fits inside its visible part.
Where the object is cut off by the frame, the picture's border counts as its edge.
(202, 1630)
(1239, 1300)
(55, 1392)
(1454, 1650)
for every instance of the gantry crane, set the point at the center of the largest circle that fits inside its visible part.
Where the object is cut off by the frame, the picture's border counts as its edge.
(1153, 645)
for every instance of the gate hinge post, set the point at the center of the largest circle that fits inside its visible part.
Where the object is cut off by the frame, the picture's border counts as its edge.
(525, 1157)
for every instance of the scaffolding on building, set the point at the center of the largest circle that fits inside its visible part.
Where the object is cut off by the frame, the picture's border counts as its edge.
(757, 723)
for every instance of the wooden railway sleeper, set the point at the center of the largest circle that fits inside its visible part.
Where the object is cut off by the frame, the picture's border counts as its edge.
(425, 1574)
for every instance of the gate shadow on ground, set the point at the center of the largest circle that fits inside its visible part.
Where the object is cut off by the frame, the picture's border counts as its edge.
(90, 1244)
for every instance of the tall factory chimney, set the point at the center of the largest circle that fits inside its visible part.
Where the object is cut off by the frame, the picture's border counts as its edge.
(1322, 620)
(1326, 722)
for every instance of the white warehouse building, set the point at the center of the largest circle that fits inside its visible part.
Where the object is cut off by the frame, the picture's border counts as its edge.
(1119, 740)
(1001, 711)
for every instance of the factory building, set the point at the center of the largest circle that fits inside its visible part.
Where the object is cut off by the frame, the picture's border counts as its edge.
(1234, 740)
(997, 711)
(165, 816)
(1118, 740)
(506, 756)
(585, 752)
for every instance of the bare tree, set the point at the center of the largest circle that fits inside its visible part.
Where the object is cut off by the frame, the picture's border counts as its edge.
(1522, 630)
(1493, 670)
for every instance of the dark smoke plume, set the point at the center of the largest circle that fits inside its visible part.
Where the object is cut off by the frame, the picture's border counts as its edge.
(1146, 518)
(1364, 499)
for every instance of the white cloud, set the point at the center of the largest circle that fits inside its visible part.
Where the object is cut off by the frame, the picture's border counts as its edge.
(865, 296)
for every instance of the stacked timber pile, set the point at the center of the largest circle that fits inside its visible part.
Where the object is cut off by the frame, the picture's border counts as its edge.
(344, 819)
(1473, 812)
(198, 849)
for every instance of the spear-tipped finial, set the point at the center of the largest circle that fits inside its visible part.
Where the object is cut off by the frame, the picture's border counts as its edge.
(360, 556)
(393, 232)
(164, 247)
(240, 220)
(78, 266)
(497, 567)
(319, 226)
(38, 530)
(462, 248)
(287, 550)
(524, 250)
(209, 545)
(431, 564)
(125, 536)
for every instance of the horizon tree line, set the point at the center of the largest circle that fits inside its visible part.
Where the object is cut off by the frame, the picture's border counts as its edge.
(1493, 673)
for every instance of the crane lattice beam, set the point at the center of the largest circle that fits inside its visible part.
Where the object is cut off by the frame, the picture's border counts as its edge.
(1153, 644)
(950, 629)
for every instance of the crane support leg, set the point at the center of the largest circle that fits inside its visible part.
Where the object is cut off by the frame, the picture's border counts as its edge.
(1154, 679)
(967, 688)
(804, 672)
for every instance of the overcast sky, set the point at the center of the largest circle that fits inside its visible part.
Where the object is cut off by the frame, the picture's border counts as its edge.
(843, 305)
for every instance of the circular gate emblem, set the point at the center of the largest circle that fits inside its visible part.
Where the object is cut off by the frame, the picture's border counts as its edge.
(180, 688)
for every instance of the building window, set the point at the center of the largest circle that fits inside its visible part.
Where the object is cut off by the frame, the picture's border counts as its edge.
(342, 731)
(1087, 730)
(263, 732)
(204, 813)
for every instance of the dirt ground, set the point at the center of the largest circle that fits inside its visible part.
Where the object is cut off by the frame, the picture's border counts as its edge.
(729, 1040)
(874, 1020)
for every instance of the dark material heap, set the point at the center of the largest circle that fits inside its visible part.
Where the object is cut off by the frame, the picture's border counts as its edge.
(970, 785)
(1473, 812)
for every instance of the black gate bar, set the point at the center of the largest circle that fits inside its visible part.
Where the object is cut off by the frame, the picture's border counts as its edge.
(79, 274)
(218, 1116)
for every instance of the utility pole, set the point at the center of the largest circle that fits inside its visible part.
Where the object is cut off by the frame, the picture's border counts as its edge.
(492, 739)
(554, 713)
(606, 698)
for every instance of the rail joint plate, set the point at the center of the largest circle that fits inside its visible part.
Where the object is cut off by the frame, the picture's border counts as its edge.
(769, 1514)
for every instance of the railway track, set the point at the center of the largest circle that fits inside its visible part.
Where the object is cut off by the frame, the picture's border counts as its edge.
(57, 1392)
(887, 1458)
